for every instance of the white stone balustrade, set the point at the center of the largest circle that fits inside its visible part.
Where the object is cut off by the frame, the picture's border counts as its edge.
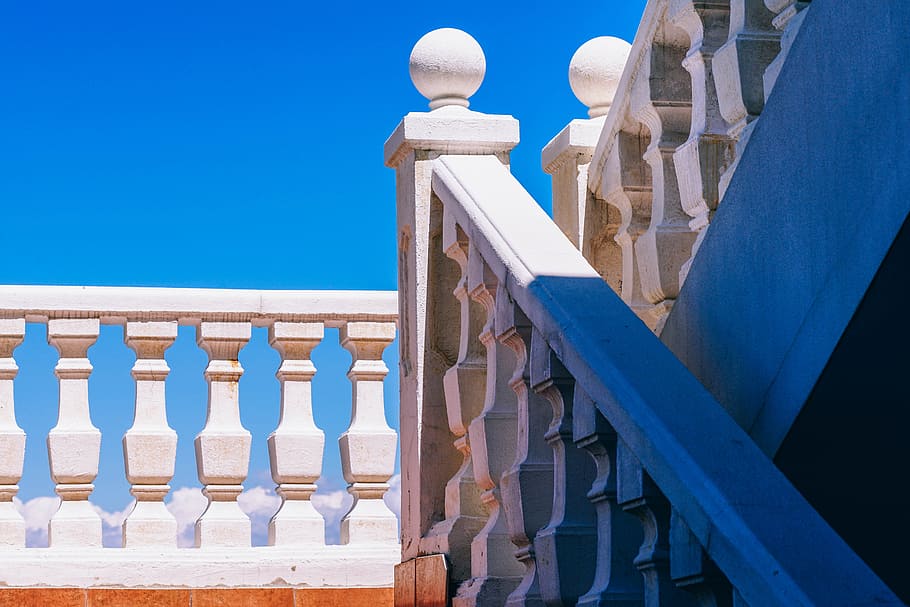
(695, 81)
(297, 554)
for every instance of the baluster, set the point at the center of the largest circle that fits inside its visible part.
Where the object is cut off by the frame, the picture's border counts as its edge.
(571, 530)
(74, 444)
(739, 68)
(638, 495)
(464, 384)
(616, 581)
(790, 16)
(150, 445)
(527, 487)
(12, 437)
(368, 445)
(661, 99)
(223, 445)
(627, 188)
(296, 445)
(495, 571)
(705, 154)
(693, 571)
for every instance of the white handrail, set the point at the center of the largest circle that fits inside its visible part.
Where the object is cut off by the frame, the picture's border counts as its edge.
(750, 520)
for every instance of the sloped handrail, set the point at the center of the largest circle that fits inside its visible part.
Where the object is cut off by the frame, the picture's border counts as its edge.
(768, 541)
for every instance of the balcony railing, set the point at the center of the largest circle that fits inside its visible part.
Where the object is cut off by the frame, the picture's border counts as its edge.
(296, 554)
(554, 450)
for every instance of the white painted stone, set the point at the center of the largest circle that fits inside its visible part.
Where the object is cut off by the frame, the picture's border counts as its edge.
(117, 305)
(12, 437)
(223, 445)
(447, 66)
(296, 446)
(368, 445)
(150, 445)
(364, 566)
(495, 572)
(74, 444)
(418, 139)
(464, 384)
(595, 71)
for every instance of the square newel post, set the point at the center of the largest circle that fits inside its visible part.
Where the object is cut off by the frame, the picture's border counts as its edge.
(223, 445)
(74, 444)
(591, 224)
(566, 158)
(368, 445)
(150, 445)
(296, 446)
(447, 67)
(12, 437)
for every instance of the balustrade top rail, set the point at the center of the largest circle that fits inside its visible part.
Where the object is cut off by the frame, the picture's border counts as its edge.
(118, 305)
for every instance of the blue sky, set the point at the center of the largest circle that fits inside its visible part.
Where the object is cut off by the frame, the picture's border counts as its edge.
(238, 145)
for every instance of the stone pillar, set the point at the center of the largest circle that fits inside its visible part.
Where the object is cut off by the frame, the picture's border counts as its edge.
(223, 445)
(368, 445)
(12, 438)
(150, 445)
(74, 444)
(296, 446)
(447, 67)
(590, 224)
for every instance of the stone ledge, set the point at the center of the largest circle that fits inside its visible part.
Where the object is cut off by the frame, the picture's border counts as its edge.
(199, 597)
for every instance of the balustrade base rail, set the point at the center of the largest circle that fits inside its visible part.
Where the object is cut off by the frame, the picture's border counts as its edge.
(299, 566)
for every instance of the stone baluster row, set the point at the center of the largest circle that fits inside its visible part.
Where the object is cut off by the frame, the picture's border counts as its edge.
(495, 572)
(681, 128)
(615, 581)
(739, 68)
(464, 386)
(662, 101)
(707, 152)
(527, 486)
(571, 529)
(222, 447)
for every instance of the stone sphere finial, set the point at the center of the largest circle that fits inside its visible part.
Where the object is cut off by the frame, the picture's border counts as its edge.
(595, 70)
(447, 66)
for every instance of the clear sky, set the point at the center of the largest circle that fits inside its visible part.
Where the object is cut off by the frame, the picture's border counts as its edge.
(239, 145)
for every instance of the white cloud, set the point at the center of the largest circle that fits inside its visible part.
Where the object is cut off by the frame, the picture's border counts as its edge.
(186, 504)
(112, 524)
(37, 512)
(332, 505)
(259, 504)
